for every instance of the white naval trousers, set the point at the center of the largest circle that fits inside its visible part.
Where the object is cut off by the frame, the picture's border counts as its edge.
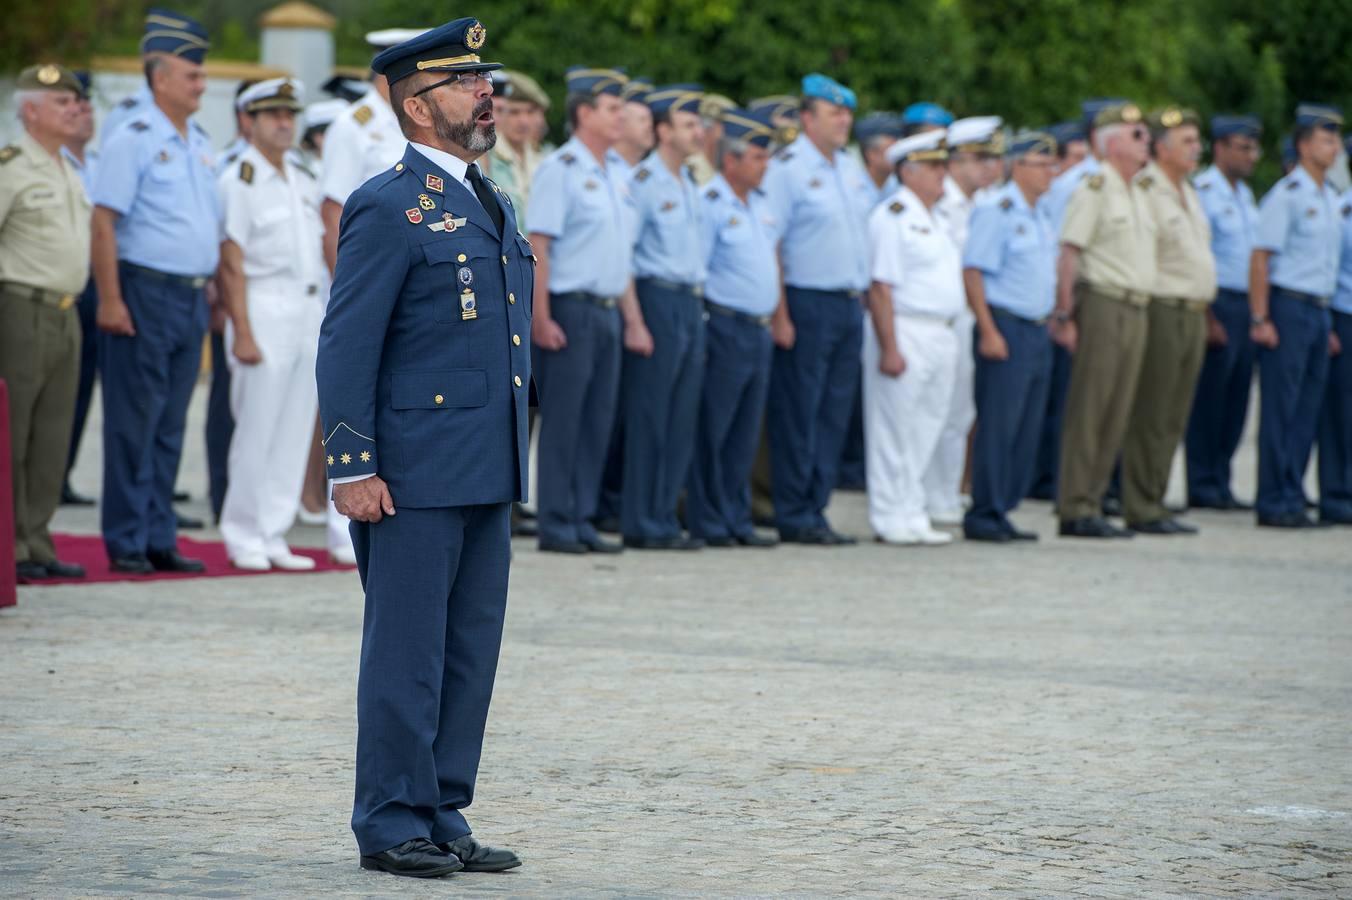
(274, 403)
(943, 480)
(903, 420)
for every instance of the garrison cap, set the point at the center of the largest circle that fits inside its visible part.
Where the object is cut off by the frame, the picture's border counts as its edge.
(1121, 113)
(1090, 109)
(636, 89)
(583, 80)
(1065, 132)
(672, 98)
(1319, 115)
(712, 106)
(521, 86)
(1026, 143)
(453, 47)
(174, 34)
(779, 105)
(275, 93)
(821, 87)
(877, 124)
(49, 77)
(1161, 120)
(927, 146)
(1228, 126)
(86, 83)
(752, 126)
(927, 113)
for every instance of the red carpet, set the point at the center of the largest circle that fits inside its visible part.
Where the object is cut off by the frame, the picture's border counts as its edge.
(87, 550)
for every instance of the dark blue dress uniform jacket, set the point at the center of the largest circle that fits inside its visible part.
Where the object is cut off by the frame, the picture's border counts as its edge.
(412, 387)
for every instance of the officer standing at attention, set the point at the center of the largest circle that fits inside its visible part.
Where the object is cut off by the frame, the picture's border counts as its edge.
(821, 196)
(1184, 286)
(581, 235)
(1104, 275)
(875, 133)
(157, 22)
(1292, 276)
(424, 382)
(1009, 270)
(1335, 426)
(661, 380)
(910, 351)
(1071, 144)
(44, 265)
(155, 244)
(741, 293)
(1222, 401)
(636, 127)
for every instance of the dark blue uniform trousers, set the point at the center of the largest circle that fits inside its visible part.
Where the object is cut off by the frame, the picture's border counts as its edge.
(1048, 464)
(1011, 401)
(1335, 431)
(1291, 380)
(147, 383)
(736, 380)
(660, 398)
(436, 596)
(88, 308)
(1221, 403)
(579, 390)
(220, 425)
(812, 390)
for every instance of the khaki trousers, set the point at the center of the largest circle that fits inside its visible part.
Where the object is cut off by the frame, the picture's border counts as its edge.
(1103, 375)
(1174, 353)
(40, 360)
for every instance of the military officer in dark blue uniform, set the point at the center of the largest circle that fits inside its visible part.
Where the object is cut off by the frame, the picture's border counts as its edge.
(1335, 424)
(424, 377)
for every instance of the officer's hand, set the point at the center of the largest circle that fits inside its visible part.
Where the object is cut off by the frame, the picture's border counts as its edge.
(246, 350)
(547, 334)
(992, 346)
(1066, 334)
(113, 317)
(367, 500)
(892, 364)
(1215, 333)
(638, 339)
(1335, 344)
(1265, 335)
(783, 333)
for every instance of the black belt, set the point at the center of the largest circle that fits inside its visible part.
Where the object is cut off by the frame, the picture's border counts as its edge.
(38, 295)
(191, 281)
(1006, 314)
(681, 287)
(584, 297)
(846, 294)
(720, 309)
(1312, 299)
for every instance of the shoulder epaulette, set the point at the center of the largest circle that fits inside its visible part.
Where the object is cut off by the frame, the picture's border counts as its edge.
(690, 170)
(9, 153)
(307, 170)
(641, 174)
(785, 154)
(1146, 181)
(567, 159)
(140, 126)
(230, 158)
(1095, 182)
(897, 207)
(362, 114)
(711, 194)
(1292, 184)
(128, 103)
(1347, 210)
(1006, 204)
(246, 171)
(196, 126)
(1204, 186)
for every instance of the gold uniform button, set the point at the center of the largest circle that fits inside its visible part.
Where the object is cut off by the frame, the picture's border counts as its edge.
(461, 258)
(516, 339)
(398, 167)
(438, 399)
(517, 381)
(511, 298)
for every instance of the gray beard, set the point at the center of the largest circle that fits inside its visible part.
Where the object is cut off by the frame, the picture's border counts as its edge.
(464, 134)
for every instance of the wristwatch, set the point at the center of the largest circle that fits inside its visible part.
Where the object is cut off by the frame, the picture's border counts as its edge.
(1255, 321)
(1060, 316)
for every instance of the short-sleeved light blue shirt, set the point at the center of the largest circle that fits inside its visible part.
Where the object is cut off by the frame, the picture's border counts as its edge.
(163, 187)
(138, 104)
(582, 206)
(1300, 224)
(739, 248)
(1057, 197)
(1233, 215)
(1014, 247)
(822, 208)
(669, 227)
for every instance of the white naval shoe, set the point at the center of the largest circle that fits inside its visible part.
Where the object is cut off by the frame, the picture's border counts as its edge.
(290, 562)
(251, 562)
(305, 517)
(911, 537)
(343, 556)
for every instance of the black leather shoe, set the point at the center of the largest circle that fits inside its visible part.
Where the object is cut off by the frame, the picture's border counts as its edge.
(1335, 520)
(1159, 526)
(818, 536)
(666, 543)
(1285, 520)
(1112, 506)
(988, 536)
(173, 561)
(752, 539)
(599, 545)
(1181, 527)
(1019, 534)
(723, 540)
(608, 524)
(1091, 527)
(131, 565)
(58, 569)
(70, 498)
(479, 857)
(28, 570)
(840, 540)
(187, 523)
(548, 546)
(418, 858)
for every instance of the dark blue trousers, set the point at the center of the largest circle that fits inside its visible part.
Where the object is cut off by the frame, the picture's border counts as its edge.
(147, 382)
(89, 368)
(220, 425)
(851, 474)
(1291, 381)
(812, 389)
(612, 477)
(579, 390)
(1011, 401)
(1335, 431)
(1221, 403)
(436, 597)
(736, 380)
(660, 396)
(1048, 463)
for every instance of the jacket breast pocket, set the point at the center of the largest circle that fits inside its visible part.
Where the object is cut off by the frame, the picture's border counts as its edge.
(445, 389)
(457, 265)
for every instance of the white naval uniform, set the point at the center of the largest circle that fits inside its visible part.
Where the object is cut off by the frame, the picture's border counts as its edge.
(362, 142)
(944, 483)
(904, 417)
(274, 220)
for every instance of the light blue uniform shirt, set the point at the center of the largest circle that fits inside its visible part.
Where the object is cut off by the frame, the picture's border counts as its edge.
(1342, 297)
(1300, 223)
(669, 228)
(164, 188)
(582, 207)
(1014, 246)
(84, 169)
(739, 249)
(1057, 197)
(1233, 215)
(133, 107)
(822, 213)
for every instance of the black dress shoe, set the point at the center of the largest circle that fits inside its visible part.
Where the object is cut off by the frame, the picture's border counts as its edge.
(1159, 526)
(818, 536)
(664, 543)
(1325, 519)
(187, 523)
(840, 540)
(752, 539)
(608, 524)
(1019, 534)
(131, 565)
(548, 546)
(418, 858)
(29, 570)
(58, 569)
(1181, 527)
(1091, 527)
(989, 536)
(598, 545)
(1112, 506)
(173, 561)
(722, 540)
(1285, 520)
(479, 857)
(70, 498)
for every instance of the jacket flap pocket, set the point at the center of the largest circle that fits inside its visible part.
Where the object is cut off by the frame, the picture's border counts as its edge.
(448, 389)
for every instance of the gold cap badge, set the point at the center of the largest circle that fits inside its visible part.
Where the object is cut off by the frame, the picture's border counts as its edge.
(474, 36)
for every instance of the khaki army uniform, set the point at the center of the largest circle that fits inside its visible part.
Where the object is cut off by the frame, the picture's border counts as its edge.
(1184, 286)
(44, 264)
(1110, 222)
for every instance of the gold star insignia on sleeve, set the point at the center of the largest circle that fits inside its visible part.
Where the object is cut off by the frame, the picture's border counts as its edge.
(330, 459)
(366, 456)
(345, 458)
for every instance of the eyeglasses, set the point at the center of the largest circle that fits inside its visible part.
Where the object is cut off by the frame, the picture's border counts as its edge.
(465, 81)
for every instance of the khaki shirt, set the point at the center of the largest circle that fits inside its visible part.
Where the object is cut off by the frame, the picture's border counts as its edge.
(1110, 223)
(44, 220)
(513, 172)
(1184, 266)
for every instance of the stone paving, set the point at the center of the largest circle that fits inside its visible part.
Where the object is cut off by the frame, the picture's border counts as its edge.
(1158, 718)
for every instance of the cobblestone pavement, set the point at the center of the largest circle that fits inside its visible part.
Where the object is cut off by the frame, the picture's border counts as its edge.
(1160, 717)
